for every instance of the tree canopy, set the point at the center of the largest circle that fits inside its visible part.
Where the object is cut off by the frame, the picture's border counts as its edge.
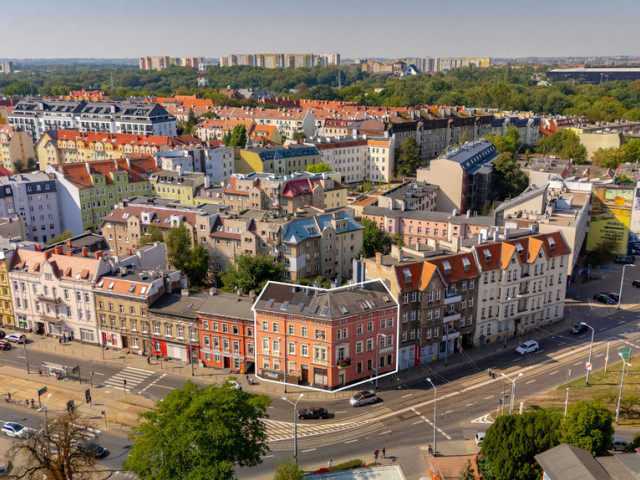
(61, 238)
(588, 425)
(229, 433)
(509, 180)
(238, 137)
(251, 272)
(564, 143)
(373, 239)
(507, 143)
(319, 168)
(154, 234)
(408, 157)
(612, 157)
(193, 262)
(289, 471)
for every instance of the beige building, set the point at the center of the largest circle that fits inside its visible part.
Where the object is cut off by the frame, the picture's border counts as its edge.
(15, 146)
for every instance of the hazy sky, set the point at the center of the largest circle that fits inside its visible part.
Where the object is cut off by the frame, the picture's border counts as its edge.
(353, 28)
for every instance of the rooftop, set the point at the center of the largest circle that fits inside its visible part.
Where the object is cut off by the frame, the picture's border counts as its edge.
(228, 305)
(179, 304)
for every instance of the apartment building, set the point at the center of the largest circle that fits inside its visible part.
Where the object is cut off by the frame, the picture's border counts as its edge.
(280, 60)
(464, 176)
(209, 129)
(123, 299)
(227, 335)
(526, 124)
(522, 285)
(178, 186)
(37, 115)
(410, 195)
(73, 146)
(16, 146)
(217, 163)
(36, 198)
(6, 303)
(52, 293)
(325, 339)
(276, 159)
(287, 121)
(162, 62)
(88, 191)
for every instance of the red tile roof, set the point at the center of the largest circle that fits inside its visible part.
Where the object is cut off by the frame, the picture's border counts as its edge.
(457, 267)
(138, 170)
(161, 216)
(77, 268)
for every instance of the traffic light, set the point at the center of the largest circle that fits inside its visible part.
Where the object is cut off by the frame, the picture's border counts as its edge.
(87, 395)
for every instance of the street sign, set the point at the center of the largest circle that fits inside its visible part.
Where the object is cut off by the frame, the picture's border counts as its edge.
(626, 353)
(42, 390)
(75, 369)
(588, 365)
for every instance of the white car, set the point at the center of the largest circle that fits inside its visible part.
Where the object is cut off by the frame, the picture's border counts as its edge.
(17, 338)
(528, 347)
(16, 430)
(235, 384)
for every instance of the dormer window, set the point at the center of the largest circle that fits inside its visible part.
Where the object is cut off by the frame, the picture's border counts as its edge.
(447, 267)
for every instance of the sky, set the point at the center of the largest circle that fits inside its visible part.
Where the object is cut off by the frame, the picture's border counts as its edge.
(353, 28)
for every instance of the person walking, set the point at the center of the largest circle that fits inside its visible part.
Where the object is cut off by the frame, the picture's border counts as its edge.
(384, 452)
(329, 463)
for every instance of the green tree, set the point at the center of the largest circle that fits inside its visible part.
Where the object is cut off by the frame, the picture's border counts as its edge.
(373, 239)
(154, 234)
(607, 157)
(628, 403)
(298, 136)
(466, 471)
(238, 136)
(230, 432)
(588, 425)
(564, 143)
(408, 157)
(18, 166)
(512, 442)
(509, 180)
(179, 247)
(251, 272)
(603, 253)
(631, 151)
(509, 143)
(319, 168)
(56, 452)
(226, 138)
(289, 471)
(198, 267)
(61, 238)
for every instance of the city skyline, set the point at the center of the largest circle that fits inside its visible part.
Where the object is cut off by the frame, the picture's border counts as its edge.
(461, 28)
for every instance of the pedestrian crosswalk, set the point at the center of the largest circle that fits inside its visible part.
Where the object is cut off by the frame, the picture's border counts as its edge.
(277, 430)
(132, 376)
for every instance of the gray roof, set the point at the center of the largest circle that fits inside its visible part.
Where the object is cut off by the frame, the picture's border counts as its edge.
(301, 229)
(178, 305)
(622, 467)
(409, 190)
(429, 216)
(388, 472)
(472, 155)
(228, 305)
(567, 462)
(169, 177)
(528, 194)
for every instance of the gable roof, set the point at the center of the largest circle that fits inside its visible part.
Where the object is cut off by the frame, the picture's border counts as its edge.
(567, 462)
(80, 174)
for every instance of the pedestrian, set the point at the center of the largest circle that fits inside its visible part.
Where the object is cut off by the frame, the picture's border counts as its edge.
(429, 449)
(384, 452)
(329, 463)
(148, 360)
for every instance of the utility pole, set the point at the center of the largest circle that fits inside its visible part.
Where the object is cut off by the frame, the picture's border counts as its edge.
(624, 363)
(435, 417)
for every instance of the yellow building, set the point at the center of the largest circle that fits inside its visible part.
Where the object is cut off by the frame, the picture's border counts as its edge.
(182, 188)
(15, 146)
(6, 307)
(278, 160)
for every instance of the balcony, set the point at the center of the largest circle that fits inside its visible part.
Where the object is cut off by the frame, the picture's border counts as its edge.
(452, 298)
(274, 253)
(344, 362)
(451, 318)
(50, 299)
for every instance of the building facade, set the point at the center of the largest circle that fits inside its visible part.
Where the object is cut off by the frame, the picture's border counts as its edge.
(16, 146)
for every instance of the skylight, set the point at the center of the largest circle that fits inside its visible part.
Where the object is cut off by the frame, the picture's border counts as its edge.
(407, 275)
(447, 267)
(285, 305)
(343, 309)
(552, 243)
(466, 264)
(325, 311)
(100, 283)
(111, 285)
(270, 303)
(144, 289)
(314, 309)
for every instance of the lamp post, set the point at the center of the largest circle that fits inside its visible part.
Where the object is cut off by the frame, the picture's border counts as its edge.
(295, 424)
(435, 418)
(446, 344)
(590, 348)
(26, 358)
(46, 423)
(621, 282)
(284, 368)
(378, 355)
(513, 390)
(624, 363)
(190, 350)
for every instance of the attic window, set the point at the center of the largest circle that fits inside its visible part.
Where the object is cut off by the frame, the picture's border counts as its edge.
(385, 298)
(111, 285)
(325, 311)
(314, 309)
(552, 243)
(447, 267)
(100, 283)
(132, 288)
(144, 289)
(363, 304)
(487, 255)
(371, 304)
(285, 305)
(519, 247)
(270, 303)
(407, 275)
(300, 306)
(466, 264)
(343, 309)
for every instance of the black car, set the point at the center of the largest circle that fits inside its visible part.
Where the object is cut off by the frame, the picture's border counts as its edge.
(623, 259)
(636, 283)
(313, 413)
(4, 345)
(94, 449)
(578, 328)
(599, 297)
(613, 296)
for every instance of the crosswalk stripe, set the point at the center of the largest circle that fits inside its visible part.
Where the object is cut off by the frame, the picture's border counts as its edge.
(133, 376)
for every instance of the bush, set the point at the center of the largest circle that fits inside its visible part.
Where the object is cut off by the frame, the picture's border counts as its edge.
(356, 463)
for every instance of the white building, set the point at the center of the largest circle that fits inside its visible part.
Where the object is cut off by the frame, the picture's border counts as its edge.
(216, 163)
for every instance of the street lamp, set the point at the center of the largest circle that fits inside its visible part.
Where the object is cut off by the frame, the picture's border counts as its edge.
(513, 390)
(378, 355)
(284, 346)
(190, 350)
(435, 418)
(46, 423)
(624, 363)
(295, 424)
(621, 282)
(590, 348)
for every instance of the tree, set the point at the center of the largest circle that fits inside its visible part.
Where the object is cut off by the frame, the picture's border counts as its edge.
(56, 452)
(154, 234)
(198, 267)
(18, 166)
(509, 180)
(319, 168)
(564, 143)
(61, 238)
(229, 432)
(408, 158)
(509, 143)
(373, 239)
(251, 272)
(628, 402)
(603, 252)
(588, 425)
(512, 442)
(607, 157)
(289, 471)
(179, 247)
(466, 471)
(298, 136)
(238, 136)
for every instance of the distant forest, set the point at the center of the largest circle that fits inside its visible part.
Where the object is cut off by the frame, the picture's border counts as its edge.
(512, 87)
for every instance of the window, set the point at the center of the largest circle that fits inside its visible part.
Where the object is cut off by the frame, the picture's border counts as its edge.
(292, 348)
(369, 326)
(369, 344)
(167, 330)
(304, 350)
(274, 327)
(303, 331)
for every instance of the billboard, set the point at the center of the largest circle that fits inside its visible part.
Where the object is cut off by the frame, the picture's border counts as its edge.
(610, 216)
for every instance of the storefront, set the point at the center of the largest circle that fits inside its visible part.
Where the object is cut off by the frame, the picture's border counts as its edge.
(111, 339)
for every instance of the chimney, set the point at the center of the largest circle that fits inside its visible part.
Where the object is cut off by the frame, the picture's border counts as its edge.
(129, 251)
(38, 248)
(99, 255)
(239, 293)
(68, 243)
(47, 254)
(252, 296)
(378, 258)
(69, 253)
(85, 251)
(59, 250)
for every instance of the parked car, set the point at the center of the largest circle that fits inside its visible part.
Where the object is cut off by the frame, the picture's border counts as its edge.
(623, 259)
(363, 398)
(17, 338)
(93, 449)
(480, 438)
(13, 429)
(313, 413)
(620, 445)
(578, 328)
(636, 283)
(528, 347)
(4, 345)
(235, 384)
(613, 296)
(607, 300)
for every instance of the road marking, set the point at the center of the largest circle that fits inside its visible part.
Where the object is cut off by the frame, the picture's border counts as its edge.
(310, 450)
(530, 381)
(600, 355)
(562, 343)
(621, 322)
(602, 329)
(20, 357)
(341, 411)
(581, 336)
(553, 373)
(415, 423)
(268, 456)
(579, 363)
(388, 431)
(482, 419)
(407, 395)
(448, 411)
(490, 396)
(154, 382)
(351, 441)
(515, 360)
(469, 404)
